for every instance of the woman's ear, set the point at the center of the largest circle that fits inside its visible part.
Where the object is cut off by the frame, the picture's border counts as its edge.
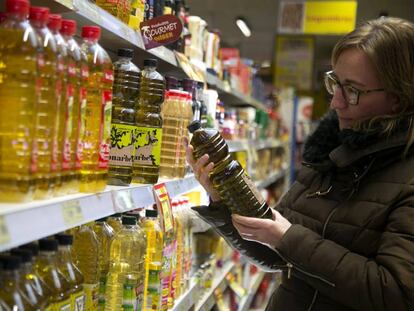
(394, 100)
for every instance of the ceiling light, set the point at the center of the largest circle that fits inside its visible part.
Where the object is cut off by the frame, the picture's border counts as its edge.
(244, 28)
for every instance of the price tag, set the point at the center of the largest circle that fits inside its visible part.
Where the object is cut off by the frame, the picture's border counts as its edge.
(164, 206)
(236, 287)
(72, 212)
(4, 231)
(123, 201)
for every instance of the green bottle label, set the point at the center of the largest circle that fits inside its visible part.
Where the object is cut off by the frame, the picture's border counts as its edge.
(78, 301)
(148, 146)
(129, 296)
(122, 145)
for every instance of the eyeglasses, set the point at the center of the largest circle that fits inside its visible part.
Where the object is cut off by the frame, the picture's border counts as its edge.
(350, 93)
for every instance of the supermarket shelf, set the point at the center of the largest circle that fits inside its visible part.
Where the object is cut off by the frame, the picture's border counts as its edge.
(243, 145)
(246, 301)
(219, 281)
(24, 222)
(188, 299)
(272, 179)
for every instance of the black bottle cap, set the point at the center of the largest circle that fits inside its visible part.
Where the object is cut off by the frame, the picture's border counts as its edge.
(103, 219)
(33, 247)
(200, 84)
(116, 215)
(194, 126)
(188, 83)
(171, 82)
(126, 53)
(150, 62)
(129, 220)
(10, 263)
(48, 245)
(64, 239)
(24, 254)
(132, 214)
(151, 213)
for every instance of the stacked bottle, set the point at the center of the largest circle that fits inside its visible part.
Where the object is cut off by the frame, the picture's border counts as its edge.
(228, 177)
(125, 97)
(148, 133)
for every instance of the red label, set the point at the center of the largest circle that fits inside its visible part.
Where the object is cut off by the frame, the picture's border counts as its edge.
(72, 69)
(105, 130)
(161, 30)
(108, 76)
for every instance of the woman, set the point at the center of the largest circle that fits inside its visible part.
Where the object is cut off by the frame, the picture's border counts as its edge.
(344, 233)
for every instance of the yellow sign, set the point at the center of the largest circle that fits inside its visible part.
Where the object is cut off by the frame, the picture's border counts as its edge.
(329, 17)
(294, 62)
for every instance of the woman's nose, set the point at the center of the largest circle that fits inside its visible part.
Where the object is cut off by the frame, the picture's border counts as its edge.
(338, 100)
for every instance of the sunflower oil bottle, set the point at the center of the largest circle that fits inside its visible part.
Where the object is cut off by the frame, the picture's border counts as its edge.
(70, 271)
(105, 234)
(86, 251)
(167, 267)
(124, 98)
(115, 222)
(187, 118)
(148, 136)
(179, 253)
(126, 273)
(18, 102)
(153, 261)
(172, 119)
(47, 269)
(30, 283)
(11, 291)
(96, 139)
(48, 105)
(172, 293)
(77, 77)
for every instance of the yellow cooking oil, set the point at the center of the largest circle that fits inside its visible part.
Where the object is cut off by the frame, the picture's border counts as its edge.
(18, 58)
(115, 222)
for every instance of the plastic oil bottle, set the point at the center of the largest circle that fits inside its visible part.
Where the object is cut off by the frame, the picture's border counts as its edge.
(172, 116)
(148, 136)
(124, 98)
(30, 283)
(153, 261)
(59, 297)
(105, 234)
(126, 268)
(167, 266)
(18, 59)
(77, 76)
(187, 118)
(86, 251)
(115, 222)
(48, 105)
(11, 291)
(70, 271)
(228, 177)
(96, 139)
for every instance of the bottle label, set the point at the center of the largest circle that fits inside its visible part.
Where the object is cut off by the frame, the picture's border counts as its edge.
(105, 129)
(66, 159)
(108, 76)
(148, 146)
(253, 189)
(122, 145)
(62, 306)
(139, 293)
(153, 289)
(102, 289)
(129, 295)
(165, 275)
(91, 296)
(78, 301)
(81, 128)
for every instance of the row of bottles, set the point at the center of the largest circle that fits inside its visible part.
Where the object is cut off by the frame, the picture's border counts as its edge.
(124, 262)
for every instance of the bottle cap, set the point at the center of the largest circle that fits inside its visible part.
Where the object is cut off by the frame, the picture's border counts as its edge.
(48, 245)
(39, 14)
(150, 62)
(200, 84)
(55, 22)
(64, 239)
(171, 82)
(91, 32)
(103, 219)
(151, 213)
(68, 27)
(33, 247)
(126, 53)
(11, 263)
(116, 215)
(18, 6)
(129, 220)
(188, 84)
(194, 126)
(24, 254)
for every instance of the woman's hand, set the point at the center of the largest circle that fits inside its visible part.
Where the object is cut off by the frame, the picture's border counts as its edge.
(265, 231)
(202, 168)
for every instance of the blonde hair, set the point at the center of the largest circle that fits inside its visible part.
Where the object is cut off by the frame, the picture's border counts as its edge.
(389, 43)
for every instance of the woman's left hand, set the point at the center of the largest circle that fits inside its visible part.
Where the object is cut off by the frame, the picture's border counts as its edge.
(265, 231)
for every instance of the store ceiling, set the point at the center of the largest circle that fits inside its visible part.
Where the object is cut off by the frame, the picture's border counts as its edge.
(262, 17)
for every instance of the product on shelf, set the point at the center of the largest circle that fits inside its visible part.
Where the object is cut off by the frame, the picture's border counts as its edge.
(86, 254)
(187, 117)
(125, 96)
(149, 124)
(171, 83)
(125, 281)
(120, 9)
(190, 86)
(153, 261)
(96, 138)
(228, 177)
(17, 103)
(46, 113)
(115, 222)
(77, 75)
(47, 269)
(70, 271)
(105, 234)
(137, 14)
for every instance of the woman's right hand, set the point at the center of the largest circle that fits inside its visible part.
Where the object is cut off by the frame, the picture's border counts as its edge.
(202, 168)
